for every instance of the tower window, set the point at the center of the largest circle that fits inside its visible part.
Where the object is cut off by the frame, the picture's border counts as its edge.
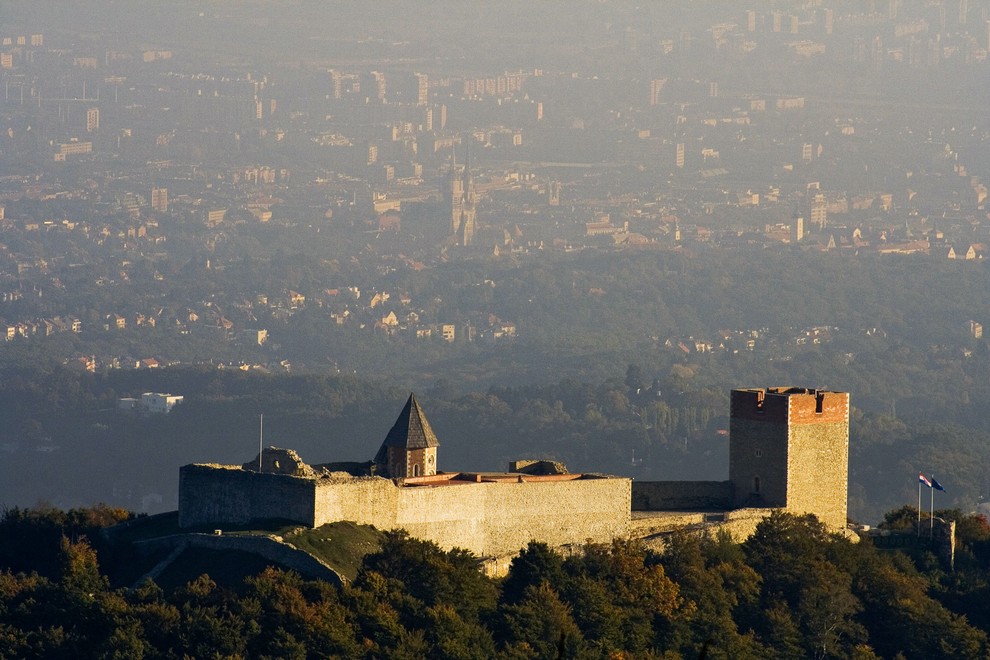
(758, 453)
(756, 484)
(416, 470)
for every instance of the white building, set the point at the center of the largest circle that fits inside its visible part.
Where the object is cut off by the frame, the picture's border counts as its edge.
(158, 403)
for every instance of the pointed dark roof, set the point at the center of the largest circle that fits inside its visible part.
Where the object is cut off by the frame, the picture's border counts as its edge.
(410, 431)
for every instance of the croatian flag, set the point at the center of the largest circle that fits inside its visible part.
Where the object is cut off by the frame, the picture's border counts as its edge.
(923, 479)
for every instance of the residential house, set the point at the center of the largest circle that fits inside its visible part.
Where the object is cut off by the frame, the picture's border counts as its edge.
(254, 336)
(966, 252)
(296, 300)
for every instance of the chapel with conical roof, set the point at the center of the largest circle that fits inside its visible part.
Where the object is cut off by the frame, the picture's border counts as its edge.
(410, 448)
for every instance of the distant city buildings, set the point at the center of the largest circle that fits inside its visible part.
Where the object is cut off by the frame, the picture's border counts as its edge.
(73, 148)
(159, 199)
(92, 120)
(656, 87)
(667, 138)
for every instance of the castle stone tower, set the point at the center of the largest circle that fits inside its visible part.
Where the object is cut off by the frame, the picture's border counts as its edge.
(410, 448)
(789, 448)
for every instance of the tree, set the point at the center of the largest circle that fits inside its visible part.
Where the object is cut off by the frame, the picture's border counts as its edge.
(542, 623)
(431, 576)
(634, 379)
(826, 613)
(210, 623)
(79, 573)
(640, 596)
(717, 591)
(780, 633)
(903, 619)
(32, 539)
(308, 613)
(789, 553)
(452, 638)
(600, 620)
(536, 564)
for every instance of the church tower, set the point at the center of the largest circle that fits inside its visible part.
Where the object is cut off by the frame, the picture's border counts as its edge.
(789, 448)
(410, 448)
(461, 200)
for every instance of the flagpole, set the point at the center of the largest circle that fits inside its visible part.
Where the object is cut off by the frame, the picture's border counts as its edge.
(919, 507)
(931, 532)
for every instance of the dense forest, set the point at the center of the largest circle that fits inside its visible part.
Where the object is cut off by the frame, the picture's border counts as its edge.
(790, 590)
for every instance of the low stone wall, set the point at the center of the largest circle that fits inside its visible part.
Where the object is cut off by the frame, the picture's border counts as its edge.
(654, 528)
(652, 523)
(741, 523)
(681, 495)
(267, 547)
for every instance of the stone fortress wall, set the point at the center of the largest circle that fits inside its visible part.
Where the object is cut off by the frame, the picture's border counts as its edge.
(493, 519)
(213, 494)
(489, 518)
(681, 495)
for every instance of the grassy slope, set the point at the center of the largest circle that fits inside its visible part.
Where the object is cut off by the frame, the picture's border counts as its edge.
(341, 545)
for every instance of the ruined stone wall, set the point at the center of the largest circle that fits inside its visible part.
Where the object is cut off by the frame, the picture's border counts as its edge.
(681, 495)
(213, 495)
(279, 461)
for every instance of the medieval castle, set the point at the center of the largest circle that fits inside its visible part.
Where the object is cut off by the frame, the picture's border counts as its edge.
(788, 450)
